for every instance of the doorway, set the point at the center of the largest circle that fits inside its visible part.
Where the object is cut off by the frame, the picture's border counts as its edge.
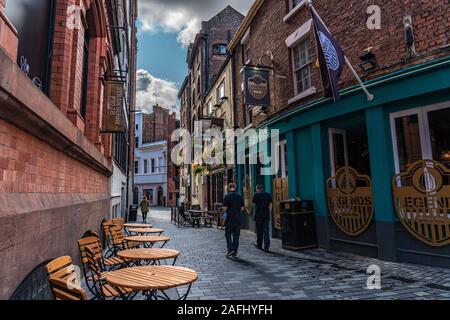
(160, 197)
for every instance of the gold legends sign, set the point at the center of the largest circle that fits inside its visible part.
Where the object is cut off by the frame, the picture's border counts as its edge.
(350, 201)
(422, 201)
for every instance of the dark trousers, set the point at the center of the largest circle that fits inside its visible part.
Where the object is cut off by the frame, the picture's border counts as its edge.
(263, 232)
(232, 234)
(144, 216)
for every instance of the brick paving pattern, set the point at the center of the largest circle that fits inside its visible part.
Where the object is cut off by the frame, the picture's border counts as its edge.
(311, 275)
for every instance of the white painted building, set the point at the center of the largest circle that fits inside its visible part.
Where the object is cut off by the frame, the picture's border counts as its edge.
(150, 169)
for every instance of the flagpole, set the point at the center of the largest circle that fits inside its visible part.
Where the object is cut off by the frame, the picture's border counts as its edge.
(370, 96)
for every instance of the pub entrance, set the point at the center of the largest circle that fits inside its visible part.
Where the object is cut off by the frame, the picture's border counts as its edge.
(349, 187)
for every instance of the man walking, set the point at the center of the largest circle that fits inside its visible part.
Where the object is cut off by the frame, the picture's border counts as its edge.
(233, 205)
(263, 203)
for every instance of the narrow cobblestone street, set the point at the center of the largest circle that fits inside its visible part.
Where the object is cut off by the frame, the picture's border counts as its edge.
(314, 274)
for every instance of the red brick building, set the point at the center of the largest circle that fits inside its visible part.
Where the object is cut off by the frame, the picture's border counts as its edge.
(205, 58)
(55, 163)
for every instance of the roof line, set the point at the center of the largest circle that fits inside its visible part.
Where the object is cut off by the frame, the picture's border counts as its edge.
(245, 24)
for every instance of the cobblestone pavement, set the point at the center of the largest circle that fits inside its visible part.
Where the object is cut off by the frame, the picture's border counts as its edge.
(315, 274)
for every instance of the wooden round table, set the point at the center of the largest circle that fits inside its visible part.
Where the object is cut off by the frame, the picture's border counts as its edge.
(148, 241)
(146, 230)
(137, 225)
(151, 255)
(151, 279)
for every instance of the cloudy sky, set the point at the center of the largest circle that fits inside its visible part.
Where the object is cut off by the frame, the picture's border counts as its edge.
(166, 27)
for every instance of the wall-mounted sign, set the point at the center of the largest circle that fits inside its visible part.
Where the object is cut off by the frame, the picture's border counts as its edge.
(115, 113)
(280, 193)
(422, 201)
(256, 88)
(350, 201)
(248, 195)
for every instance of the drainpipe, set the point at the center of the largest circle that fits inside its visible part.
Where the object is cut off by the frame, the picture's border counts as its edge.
(235, 124)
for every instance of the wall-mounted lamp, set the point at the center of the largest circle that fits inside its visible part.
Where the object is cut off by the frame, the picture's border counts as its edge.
(369, 60)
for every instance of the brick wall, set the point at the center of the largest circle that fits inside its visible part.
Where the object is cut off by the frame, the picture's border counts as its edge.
(172, 186)
(49, 200)
(54, 182)
(347, 20)
(28, 165)
(154, 125)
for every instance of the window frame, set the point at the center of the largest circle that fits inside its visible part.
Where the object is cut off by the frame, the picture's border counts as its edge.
(424, 130)
(309, 64)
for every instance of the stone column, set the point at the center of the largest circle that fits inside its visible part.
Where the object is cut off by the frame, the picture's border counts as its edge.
(8, 34)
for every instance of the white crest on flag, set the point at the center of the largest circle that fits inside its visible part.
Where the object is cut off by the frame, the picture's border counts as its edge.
(330, 52)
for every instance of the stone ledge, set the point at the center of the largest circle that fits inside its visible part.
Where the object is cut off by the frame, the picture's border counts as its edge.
(25, 106)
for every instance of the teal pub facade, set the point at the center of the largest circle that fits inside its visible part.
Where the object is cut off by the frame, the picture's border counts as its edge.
(408, 121)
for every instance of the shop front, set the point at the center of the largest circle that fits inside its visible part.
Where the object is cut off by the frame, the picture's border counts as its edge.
(378, 172)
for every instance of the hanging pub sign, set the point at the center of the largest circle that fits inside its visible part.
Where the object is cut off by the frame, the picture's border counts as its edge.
(115, 114)
(422, 201)
(350, 201)
(256, 87)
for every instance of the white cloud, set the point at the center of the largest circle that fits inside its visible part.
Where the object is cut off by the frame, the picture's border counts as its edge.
(183, 16)
(148, 85)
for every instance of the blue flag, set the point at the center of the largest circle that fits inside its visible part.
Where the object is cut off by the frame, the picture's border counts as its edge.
(331, 58)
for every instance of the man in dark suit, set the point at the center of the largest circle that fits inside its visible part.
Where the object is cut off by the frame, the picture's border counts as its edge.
(263, 204)
(233, 205)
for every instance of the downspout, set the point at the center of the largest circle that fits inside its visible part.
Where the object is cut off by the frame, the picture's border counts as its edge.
(235, 124)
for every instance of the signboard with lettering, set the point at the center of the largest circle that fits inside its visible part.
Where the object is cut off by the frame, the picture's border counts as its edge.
(115, 115)
(256, 87)
(422, 201)
(350, 201)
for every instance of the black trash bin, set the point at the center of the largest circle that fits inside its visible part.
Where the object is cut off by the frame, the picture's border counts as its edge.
(298, 225)
(132, 213)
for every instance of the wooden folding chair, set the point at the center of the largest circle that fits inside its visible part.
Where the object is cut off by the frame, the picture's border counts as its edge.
(62, 273)
(103, 290)
(106, 264)
(62, 291)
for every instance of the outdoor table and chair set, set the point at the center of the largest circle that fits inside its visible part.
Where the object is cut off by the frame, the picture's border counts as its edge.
(133, 261)
(195, 217)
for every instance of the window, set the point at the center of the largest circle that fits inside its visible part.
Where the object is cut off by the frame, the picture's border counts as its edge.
(210, 108)
(302, 64)
(160, 165)
(283, 169)
(295, 3)
(220, 49)
(85, 75)
(137, 127)
(245, 53)
(153, 166)
(421, 134)
(145, 166)
(136, 142)
(220, 92)
(136, 167)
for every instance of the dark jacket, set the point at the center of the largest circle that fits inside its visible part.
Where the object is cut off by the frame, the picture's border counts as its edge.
(262, 201)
